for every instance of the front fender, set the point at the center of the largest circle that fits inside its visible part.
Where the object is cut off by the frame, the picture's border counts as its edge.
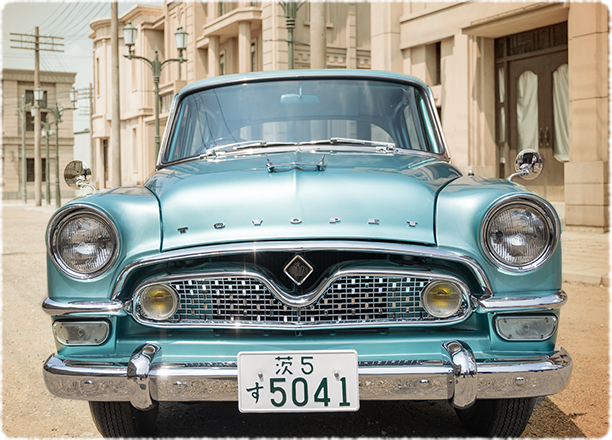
(461, 206)
(135, 213)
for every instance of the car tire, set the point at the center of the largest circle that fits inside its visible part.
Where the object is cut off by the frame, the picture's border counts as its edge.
(121, 419)
(497, 417)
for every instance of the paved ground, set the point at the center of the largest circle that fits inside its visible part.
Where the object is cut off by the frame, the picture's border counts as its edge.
(28, 410)
(586, 257)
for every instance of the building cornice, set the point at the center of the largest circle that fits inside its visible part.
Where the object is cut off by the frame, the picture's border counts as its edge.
(45, 76)
(227, 25)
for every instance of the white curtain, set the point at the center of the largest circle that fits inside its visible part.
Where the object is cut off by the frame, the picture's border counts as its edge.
(561, 113)
(501, 136)
(527, 111)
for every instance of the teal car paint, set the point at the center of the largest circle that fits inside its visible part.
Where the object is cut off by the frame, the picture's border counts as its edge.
(295, 216)
(277, 198)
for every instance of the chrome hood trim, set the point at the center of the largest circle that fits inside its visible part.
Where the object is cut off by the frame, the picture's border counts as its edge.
(303, 246)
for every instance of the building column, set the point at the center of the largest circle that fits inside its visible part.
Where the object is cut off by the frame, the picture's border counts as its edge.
(586, 174)
(351, 37)
(318, 36)
(385, 25)
(213, 56)
(11, 168)
(244, 46)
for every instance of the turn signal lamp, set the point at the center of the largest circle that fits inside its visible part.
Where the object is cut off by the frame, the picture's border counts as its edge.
(81, 332)
(526, 328)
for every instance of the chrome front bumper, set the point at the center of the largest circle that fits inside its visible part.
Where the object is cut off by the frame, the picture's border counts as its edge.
(459, 379)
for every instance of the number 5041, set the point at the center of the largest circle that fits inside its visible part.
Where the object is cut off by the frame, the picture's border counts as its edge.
(299, 392)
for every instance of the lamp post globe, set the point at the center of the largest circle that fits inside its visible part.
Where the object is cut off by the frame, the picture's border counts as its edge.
(129, 35)
(38, 94)
(181, 38)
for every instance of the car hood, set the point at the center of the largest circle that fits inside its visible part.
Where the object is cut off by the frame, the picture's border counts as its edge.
(355, 196)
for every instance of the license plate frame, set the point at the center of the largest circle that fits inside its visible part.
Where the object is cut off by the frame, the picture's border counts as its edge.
(298, 381)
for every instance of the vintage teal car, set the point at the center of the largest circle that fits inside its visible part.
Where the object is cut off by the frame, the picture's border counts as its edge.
(304, 244)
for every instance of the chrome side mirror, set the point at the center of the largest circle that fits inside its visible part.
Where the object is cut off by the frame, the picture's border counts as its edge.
(528, 165)
(77, 175)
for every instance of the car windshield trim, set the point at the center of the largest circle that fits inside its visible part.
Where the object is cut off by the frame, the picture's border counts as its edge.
(308, 111)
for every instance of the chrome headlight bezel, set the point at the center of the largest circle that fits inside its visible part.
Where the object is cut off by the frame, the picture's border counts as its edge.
(62, 218)
(548, 217)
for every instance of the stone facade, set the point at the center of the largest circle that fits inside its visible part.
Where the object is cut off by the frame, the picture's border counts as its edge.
(15, 82)
(453, 47)
(236, 37)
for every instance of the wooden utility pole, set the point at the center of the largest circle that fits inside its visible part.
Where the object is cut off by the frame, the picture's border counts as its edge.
(37, 43)
(87, 93)
(115, 137)
(318, 37)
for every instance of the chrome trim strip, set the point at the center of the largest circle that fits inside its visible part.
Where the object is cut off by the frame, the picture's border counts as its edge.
(56, 308)
(97, 381)
(538, 303)
(303, 246)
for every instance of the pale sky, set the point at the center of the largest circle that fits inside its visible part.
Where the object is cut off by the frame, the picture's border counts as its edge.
(69, 20)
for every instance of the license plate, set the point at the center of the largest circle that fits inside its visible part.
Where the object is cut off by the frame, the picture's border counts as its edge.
(298, 381)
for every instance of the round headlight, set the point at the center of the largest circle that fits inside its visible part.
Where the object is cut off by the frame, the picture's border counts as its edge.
(519, 235)
(441, 299)
(83, 243)
(158, 302)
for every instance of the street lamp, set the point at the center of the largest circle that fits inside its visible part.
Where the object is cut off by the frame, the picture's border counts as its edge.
(129, 38)
(57, 112)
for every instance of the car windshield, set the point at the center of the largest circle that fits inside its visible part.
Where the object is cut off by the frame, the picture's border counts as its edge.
(316, 111)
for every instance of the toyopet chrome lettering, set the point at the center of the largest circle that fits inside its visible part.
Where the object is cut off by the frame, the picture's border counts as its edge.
(334, 220)
(183, 230)
(219, 225)
(296, 221)
(257, 222)
(374, 221)
(412, 224)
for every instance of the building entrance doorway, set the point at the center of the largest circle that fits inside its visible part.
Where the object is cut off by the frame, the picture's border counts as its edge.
(536, 104)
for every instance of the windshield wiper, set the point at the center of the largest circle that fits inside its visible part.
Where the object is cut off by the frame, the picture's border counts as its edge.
(245, 144)
(388, 146)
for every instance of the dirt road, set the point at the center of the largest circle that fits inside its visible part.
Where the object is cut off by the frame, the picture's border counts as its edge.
(581, 410)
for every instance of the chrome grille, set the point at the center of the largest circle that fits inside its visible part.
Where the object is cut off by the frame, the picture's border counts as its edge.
(347, 299)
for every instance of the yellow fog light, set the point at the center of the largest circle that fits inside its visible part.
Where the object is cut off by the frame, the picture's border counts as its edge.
(441, 299)
(158, 302)
(81, 332)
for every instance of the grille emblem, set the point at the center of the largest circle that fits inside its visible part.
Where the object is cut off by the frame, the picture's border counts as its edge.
(298, 270)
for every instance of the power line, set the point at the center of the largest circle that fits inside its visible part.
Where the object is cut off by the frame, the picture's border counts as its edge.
(62, 16)
(66, 5)
(78, 32)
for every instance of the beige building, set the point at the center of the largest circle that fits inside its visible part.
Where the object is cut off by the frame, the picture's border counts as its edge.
(56, 87)
(505, 76)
